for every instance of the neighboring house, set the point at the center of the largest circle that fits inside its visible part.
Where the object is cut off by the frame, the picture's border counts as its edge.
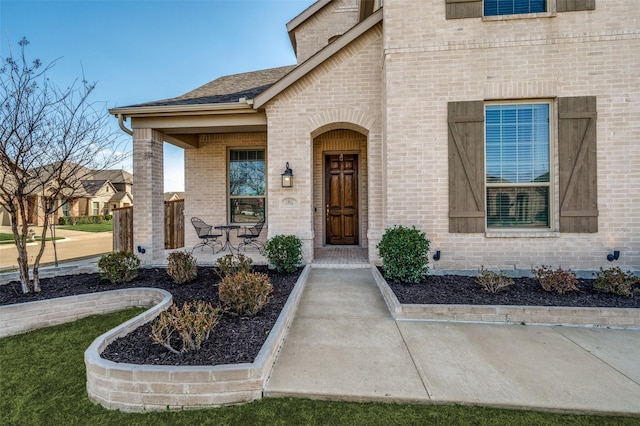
(122, 181)
(173, 196)
(93, 194)
(506, 131)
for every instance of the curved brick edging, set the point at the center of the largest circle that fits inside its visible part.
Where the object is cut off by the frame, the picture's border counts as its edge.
(626, 318)
(132, 388)
(23, 317)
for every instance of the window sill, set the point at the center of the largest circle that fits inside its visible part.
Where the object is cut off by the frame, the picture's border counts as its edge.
(519, 16)
(522, 234)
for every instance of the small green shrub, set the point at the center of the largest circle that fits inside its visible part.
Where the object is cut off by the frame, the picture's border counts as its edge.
(182, 267)
(284, 252)
(404, 254)
(245, 293)
(493, 282)
(107, 217)
(559, 280)
(119, 267)
(193, 324)
(613, 280)
(65, 220)
(232, 264)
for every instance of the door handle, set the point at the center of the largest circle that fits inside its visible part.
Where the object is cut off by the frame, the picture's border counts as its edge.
(327, 211)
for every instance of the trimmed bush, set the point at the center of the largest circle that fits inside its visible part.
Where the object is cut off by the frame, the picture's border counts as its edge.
(245, 293)
(182, 267)
(83, 220)
(404, 254)
(493, 282)
(232, 264)
(193, 324)
(119, 267)
(559, 280)
(614, 281)
(284, 252)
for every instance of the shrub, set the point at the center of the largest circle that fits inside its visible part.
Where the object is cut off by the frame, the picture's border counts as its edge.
(65, 220)
(493, 282)
(182, 267)
(232, 264)
(558, 280)
(193, 323)
(119, 266)
(245, 293)
(613, 280)
(404, 254)
(284, 252)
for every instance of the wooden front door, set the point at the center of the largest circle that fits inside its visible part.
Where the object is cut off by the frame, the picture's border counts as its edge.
(341, 198)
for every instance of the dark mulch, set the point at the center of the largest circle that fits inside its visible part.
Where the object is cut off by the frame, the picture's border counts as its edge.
(460, 290)
(234, 340)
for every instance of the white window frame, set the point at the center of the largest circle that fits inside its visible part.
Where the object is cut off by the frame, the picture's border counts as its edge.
(553, 164)
(551, 12)
(230, 197)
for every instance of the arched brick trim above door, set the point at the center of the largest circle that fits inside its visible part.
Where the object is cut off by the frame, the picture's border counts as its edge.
(332, 119)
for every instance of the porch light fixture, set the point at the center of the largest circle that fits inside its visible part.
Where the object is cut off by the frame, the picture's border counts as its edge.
(613, 256)
(287, 177)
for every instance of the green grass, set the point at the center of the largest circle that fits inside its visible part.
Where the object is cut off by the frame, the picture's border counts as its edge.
(8, 238)
(90, 227)
(42, 382)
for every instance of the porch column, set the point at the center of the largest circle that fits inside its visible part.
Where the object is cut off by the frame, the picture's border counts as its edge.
(148, 187)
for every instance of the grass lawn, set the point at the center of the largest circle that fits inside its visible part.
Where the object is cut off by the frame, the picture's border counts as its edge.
(42, 382)
(8, 238)
(90, 227)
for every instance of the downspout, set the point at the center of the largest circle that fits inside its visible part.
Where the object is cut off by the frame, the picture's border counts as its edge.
(121, 124)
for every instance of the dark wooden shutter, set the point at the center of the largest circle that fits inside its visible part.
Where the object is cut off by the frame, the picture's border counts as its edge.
(466, 167)
(577, 164)
(575, 5)
(458, 9)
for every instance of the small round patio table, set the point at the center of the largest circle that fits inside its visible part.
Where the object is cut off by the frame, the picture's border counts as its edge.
(227, 229)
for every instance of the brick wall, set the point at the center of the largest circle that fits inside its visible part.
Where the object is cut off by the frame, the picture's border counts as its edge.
(334, 19)
(430, 61)
(343, 92)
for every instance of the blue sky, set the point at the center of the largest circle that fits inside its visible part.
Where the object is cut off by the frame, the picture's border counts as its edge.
(144, 50)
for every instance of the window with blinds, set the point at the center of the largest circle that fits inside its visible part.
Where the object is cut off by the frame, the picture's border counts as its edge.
(518, 165)
(513, 7)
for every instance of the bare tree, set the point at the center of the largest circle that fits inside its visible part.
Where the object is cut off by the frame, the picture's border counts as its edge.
(51, 140)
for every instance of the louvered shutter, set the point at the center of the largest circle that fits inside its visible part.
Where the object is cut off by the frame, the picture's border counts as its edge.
(577, 164)
(458, 9)
(575, 5)
(466, 167)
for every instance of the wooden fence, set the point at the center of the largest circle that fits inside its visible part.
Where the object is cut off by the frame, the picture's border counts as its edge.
(173, 224)
(123, 229)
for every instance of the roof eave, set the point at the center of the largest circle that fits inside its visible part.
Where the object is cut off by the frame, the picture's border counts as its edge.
(194, 109)
(317, 59)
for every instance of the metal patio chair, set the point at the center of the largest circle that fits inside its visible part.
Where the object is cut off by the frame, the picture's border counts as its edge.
(250, 235)
(207, 237)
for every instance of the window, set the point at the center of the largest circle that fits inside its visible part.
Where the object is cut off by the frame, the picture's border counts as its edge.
(517, 156)
(513, 7)
(65, 208)
(247, 185)
(96, 208)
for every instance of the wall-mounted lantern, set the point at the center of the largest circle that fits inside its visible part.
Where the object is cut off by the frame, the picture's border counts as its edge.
(287, 177)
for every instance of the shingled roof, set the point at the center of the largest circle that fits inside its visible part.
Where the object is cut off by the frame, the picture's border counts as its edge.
(226, 89)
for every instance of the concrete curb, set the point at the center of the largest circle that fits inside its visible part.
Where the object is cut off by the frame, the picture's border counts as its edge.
(134, 388)
(620, 318)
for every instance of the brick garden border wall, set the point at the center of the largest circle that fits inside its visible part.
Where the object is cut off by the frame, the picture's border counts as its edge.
(131, 388)
(625, 318)
(23, 317)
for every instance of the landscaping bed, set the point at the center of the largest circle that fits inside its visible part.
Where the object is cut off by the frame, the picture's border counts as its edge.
(464, 290)
(234, 340)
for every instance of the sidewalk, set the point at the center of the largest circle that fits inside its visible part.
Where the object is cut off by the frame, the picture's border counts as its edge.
(343, 344)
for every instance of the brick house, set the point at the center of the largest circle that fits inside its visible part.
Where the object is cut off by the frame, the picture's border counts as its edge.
(506, 131)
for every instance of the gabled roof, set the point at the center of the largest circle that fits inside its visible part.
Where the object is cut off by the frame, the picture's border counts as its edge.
(119, 196)
(114, 176)
(91, 187)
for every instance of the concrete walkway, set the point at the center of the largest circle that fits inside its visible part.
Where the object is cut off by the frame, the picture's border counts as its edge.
(344, 345)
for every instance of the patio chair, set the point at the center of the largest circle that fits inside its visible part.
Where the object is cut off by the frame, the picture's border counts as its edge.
(250, 235)
(207, 237)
